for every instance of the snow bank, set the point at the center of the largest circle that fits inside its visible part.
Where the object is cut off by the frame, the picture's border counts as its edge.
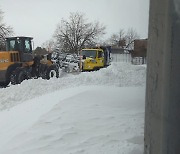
(118, 74)
(81, 120)
(99, 112)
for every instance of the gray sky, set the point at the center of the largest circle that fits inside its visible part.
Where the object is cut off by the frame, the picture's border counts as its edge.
(39, 18)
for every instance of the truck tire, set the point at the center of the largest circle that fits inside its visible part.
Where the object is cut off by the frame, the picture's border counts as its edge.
(17, 76)
(52, 72)
(4, 84)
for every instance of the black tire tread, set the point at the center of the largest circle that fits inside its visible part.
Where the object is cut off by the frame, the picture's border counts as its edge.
(52, 67)
(17, 76)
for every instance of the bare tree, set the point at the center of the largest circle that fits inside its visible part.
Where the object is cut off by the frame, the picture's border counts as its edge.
(124, 39)
(74, 34)
(49, 45)
(114, 39)
(121, 34)
(118, 39)
(5, 31)
(130, 37)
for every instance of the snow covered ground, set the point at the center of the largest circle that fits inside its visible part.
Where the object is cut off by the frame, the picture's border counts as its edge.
(99, 112)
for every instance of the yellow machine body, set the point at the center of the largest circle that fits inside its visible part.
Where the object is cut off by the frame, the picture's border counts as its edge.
(92, 59)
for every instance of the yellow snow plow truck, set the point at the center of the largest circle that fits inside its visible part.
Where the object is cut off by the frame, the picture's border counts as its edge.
(95, 58)
(17, 63)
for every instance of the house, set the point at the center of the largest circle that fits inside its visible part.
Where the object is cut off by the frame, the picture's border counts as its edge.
(140, 48)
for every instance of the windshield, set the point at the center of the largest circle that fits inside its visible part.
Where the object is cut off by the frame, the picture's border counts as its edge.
(89, 53)
(14, 45)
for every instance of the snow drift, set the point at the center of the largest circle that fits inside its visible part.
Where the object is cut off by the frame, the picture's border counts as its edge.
(117, 74)
(98, 112)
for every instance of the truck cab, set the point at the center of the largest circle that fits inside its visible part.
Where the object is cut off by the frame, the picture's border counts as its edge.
(94, 59)
(22, 45)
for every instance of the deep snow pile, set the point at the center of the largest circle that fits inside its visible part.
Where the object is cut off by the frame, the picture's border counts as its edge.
(99, 112)
(81, 120)
(117, 74)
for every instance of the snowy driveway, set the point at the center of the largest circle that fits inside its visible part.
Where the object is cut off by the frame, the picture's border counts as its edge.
(92, 113)
(92, 120)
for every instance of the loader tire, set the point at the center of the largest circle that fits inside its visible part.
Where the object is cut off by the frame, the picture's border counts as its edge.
(4, 84)
(18, 76)
(52, 72)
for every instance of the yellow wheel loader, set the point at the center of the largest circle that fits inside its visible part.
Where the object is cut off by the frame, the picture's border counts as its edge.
(17, 63)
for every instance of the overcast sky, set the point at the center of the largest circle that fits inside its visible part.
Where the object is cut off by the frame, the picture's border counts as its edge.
(39, 18)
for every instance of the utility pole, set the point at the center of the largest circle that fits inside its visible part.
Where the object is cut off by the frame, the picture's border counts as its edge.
(162, 113)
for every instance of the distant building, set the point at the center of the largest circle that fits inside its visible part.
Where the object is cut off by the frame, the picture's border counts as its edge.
(117, 50)
(140, 48)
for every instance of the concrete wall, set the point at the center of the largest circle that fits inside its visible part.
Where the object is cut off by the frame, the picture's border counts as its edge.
(162, 117)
